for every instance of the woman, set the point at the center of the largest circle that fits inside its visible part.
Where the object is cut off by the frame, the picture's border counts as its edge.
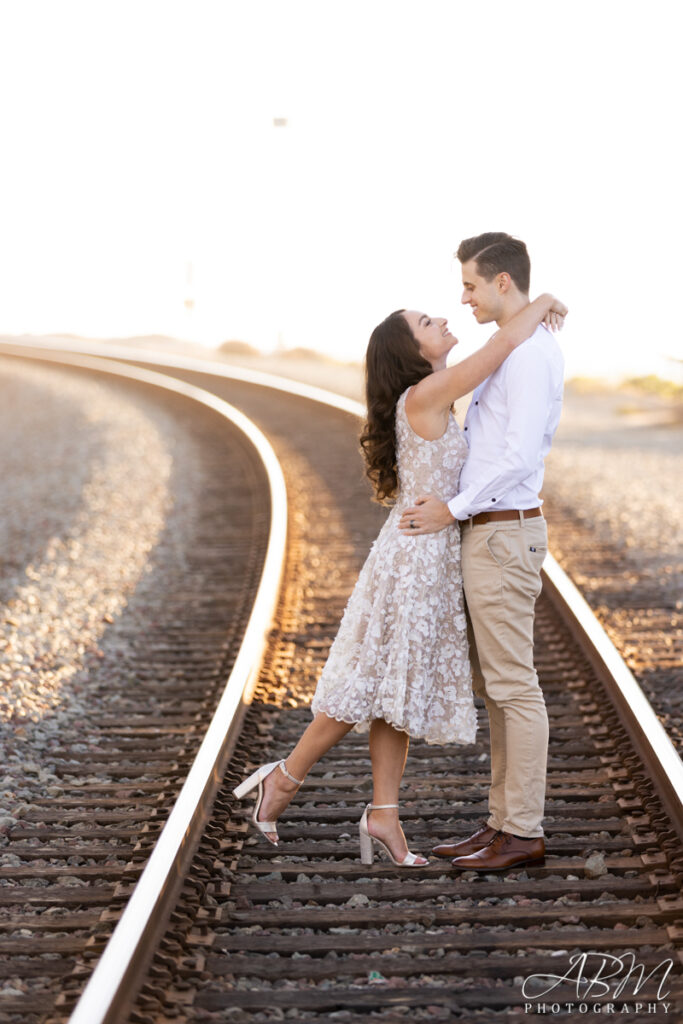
(399, 664)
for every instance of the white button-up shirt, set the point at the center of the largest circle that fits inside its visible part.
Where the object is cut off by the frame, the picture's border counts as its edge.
(509, 428)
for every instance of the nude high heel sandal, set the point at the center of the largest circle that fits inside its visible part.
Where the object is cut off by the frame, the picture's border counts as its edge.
(254, 780)
(367, 841)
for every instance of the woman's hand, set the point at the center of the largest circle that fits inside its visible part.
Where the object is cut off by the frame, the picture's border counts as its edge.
(554, 318)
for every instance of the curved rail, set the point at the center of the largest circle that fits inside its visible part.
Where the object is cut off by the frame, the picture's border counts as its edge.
(209, 366)
(110, 984)
(648, 735)
(636, 715)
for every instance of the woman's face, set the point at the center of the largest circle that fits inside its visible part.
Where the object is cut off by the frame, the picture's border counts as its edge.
(432, 335)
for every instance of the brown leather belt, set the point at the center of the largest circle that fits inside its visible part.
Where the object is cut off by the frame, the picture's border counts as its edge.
(504, 515)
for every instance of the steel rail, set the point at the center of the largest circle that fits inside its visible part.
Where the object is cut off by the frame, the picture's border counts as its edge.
(113, 982)
(211, 367)
(645, 730)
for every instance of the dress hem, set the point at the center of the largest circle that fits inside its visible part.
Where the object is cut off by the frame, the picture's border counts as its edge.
(364, 726)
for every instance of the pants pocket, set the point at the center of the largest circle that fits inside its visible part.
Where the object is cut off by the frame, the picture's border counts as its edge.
(534, 556)
(498, 545)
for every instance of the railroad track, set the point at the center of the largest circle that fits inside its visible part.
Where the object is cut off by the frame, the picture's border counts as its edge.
(641, 609)
(305, 932)
(70, 863)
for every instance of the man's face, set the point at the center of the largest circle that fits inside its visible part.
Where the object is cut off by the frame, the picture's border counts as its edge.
(483, 296)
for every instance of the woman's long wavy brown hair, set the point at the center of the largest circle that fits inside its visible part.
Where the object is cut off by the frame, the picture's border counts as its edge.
(392, 363)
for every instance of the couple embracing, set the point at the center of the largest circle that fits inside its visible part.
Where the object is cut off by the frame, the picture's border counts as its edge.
(444, 604)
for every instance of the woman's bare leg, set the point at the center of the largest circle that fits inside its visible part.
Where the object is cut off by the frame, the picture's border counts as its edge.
(388, 753)
(322, 734)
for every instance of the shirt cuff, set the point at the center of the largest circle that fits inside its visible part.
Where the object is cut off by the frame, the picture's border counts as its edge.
(457, 507)
(467, 504)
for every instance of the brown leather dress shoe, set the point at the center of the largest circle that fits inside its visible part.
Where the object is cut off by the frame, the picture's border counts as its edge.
(503, 852)
(465, 846)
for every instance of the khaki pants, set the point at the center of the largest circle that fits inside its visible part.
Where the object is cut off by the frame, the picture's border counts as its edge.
(501, 565)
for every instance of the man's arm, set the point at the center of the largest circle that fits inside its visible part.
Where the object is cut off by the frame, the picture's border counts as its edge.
(528, 384)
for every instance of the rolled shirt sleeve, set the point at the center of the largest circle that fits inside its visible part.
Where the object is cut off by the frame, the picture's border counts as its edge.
(529, 395)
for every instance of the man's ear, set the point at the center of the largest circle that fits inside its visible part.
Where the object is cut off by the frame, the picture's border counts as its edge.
(503, 282)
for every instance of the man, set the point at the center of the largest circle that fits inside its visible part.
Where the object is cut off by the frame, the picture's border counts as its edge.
(509, 427)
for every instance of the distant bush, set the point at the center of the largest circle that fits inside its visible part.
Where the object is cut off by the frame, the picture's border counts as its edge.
(238, 348)
(649, 385)
(653, 385)
(305, 353)
(587, 385)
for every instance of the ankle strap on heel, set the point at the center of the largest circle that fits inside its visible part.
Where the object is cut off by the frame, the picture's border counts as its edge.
(283, 769)
(381, 807)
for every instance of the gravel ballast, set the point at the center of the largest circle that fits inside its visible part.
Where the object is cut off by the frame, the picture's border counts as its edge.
(78, 519)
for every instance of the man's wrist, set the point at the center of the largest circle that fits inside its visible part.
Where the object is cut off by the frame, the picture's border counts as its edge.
(451, 513)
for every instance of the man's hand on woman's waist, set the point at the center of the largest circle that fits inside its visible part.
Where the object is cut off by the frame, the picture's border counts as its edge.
(427, 515)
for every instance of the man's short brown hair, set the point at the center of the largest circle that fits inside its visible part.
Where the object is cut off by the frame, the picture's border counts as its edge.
(498, 253)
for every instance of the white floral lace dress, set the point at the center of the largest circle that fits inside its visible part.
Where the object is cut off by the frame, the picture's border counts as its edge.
(401, 652)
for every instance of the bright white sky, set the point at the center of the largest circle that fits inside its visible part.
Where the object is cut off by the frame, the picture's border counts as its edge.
(138, 137)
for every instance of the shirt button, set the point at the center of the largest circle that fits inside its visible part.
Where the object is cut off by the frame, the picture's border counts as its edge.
(465, 428)
(493, 499)
(476, 403)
